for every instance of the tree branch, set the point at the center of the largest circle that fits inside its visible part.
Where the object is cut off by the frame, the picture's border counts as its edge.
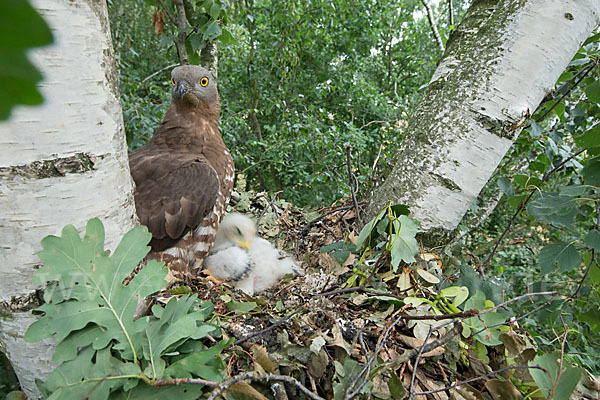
(523, 205)
(353, 186)
(269, 377)
(433, 25)
(181, 36)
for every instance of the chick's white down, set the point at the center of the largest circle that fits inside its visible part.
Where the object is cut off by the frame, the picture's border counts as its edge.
(252, 263)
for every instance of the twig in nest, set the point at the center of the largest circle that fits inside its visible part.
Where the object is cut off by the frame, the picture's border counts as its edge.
(365, 290)
(493, 373)
(271, 205)
(269, 328)
(353, 186)
(414, 373)
(319, 218)
(269, 377)
(380, 343)
(427, 346)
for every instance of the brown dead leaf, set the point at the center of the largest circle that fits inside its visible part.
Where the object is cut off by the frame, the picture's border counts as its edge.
(353, 237)
(326, 262)
(438, 351)
(430, 384)
(351, 214)
(158, 22)
(317, 364)
(410, 341)
(503, 390)
(380, 387)
(466, 392)
(247, 390)
(349, 261)
(338, 339)
(261, 356)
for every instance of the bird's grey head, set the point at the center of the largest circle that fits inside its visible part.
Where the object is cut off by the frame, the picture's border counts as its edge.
(193, 84)
(236, 229)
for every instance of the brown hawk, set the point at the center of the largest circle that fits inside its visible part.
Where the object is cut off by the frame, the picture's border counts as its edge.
(184, 174)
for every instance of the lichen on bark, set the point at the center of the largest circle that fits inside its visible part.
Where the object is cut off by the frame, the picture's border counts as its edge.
(498, 66)
(76, 164)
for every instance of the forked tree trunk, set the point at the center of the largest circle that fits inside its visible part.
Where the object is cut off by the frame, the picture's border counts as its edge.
(498, 66)
(61, 163)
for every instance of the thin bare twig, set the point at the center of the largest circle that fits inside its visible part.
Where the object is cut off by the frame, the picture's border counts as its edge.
(589, 69)
(593, 258)
(376, 159)
(416, 366)
(179, 40)
(428, 346)
(523, 205)
(374, 122)
(365, 290)
(271, 205)
(512, 321)
(322, 216)
(450, 13)
(222, 386)
(380, 344)
(270, 327)
(353, 186)
(493, 373)
(158, 72)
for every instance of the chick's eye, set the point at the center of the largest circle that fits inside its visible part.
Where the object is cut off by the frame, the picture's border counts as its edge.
(204, 81)
(172, 81)
(237, 229)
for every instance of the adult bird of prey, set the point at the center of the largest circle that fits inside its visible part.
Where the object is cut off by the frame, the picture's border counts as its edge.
(184, 174)
(252, 263)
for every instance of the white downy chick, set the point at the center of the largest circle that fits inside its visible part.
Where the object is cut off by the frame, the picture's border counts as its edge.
(251, 262)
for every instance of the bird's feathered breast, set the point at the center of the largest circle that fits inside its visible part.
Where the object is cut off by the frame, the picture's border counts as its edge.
(180, 173)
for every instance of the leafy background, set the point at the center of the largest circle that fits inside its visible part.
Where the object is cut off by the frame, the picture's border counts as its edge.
(300, 81)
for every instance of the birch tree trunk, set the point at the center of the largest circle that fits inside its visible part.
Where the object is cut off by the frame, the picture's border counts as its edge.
(498, 66)
(61, 163)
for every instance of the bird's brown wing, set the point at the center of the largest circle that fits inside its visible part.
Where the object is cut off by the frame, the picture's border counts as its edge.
(174, 190)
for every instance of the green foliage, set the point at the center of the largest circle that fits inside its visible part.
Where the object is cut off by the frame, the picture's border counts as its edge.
(21, 28)
(346, 376)
(558, 379)
(392, 231)
(300, 81)
(102, 350)
(401, 232)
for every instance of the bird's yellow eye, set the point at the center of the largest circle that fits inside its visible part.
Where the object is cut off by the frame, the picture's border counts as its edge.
(172, 81)
(204, 81)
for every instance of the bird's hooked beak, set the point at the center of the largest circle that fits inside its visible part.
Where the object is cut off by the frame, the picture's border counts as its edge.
(183, 87)
(244, 244)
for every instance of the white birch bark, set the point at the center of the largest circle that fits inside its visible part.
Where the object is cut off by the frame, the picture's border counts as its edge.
(61, 163)
(498, 66)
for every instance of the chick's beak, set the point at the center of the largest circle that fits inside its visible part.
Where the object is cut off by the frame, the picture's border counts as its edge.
(244, 244)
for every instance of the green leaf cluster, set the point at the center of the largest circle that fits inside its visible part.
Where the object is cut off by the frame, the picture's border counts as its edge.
(103, 352)
(21, 28)
(301, 80)
(401, 233)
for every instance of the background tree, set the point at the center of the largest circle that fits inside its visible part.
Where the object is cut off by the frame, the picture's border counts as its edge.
(65, 160)
(476, 104)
